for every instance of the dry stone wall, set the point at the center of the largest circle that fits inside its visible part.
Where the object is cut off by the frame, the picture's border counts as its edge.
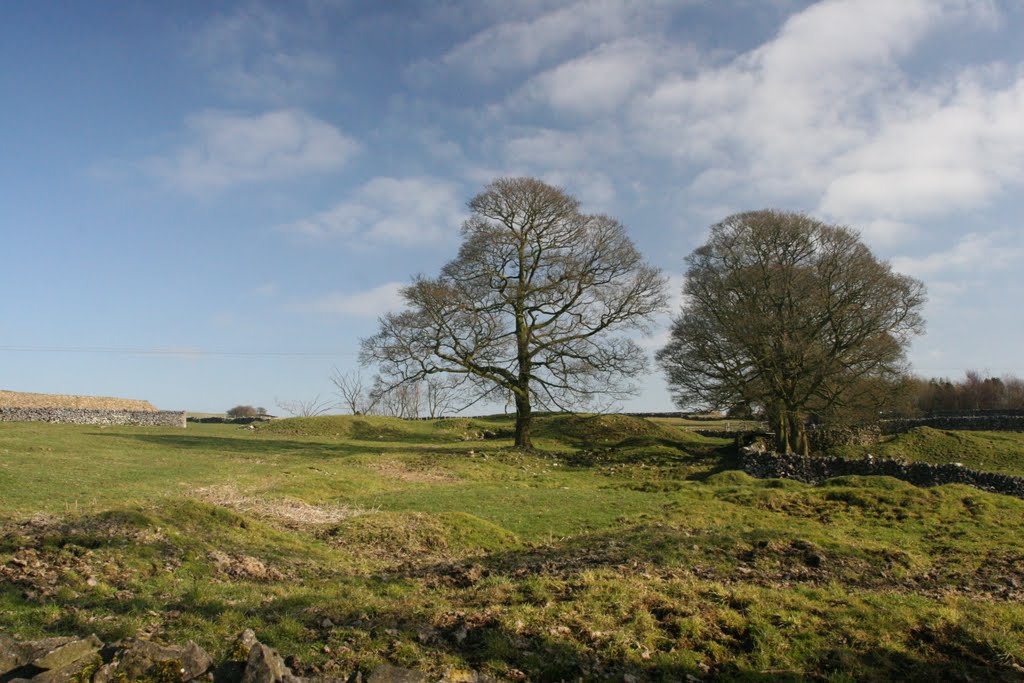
(816, 469)
(982, 423)
(145, 418)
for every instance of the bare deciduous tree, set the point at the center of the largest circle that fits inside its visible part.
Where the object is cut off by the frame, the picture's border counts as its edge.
(355, 393)
(396, 400)
(441, 395)
(308, 408)
(528, 307)
(791, 315)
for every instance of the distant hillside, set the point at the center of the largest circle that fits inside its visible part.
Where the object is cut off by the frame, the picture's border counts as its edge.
(18, 399)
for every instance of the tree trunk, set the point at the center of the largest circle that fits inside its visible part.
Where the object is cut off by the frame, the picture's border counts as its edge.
(797, 433)
(524, 416)
(781, 430)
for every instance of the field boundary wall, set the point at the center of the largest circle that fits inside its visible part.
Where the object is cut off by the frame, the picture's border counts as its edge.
(982, 423)
(82, 416)
(816, 469)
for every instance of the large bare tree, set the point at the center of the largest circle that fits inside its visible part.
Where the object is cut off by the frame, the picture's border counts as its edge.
(529, 308)
(790, 315)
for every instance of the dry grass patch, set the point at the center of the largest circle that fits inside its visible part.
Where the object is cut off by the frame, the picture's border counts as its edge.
(289, 511)
(401, 471)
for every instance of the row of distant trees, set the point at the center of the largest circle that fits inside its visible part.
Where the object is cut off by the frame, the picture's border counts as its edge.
(973, 392)
(434, 396)
(431, 397)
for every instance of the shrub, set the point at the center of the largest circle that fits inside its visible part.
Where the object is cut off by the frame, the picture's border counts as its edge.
(243, 411)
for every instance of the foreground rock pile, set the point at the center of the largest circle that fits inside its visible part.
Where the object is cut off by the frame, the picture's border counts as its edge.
(89, 660)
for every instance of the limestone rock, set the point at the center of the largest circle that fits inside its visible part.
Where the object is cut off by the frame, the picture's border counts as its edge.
(264, 665)
(146, 659)
(12, 655)
(244, 643)
(78, 670)
(105, 673)
(63, 654)
(386, 673)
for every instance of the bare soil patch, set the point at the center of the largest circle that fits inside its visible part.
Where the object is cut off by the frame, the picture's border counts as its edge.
(402, 471)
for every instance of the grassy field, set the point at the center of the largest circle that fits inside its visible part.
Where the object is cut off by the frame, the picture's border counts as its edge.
(724, 424)
(620, 548)
(989, 451)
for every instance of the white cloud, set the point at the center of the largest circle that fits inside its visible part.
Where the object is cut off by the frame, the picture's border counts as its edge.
(825, 113)
(522, 44)
(950, 151)
(372, 302)
(228, 149)
(400, 211)
(594, 189)
(885, 232)
(973, 252)
(258, 54)
(601, 80)
(553, 148)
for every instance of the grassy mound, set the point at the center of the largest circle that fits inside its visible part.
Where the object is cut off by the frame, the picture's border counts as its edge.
(372, 428)
(599, 430)
(988, 451)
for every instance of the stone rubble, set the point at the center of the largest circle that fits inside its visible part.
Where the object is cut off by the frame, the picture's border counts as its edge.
(814, 469)
(89, 660)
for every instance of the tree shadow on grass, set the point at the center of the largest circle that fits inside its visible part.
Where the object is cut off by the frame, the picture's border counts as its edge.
(691, 461)
(227, 445)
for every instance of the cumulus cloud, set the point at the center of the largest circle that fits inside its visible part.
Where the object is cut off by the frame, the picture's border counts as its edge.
(825, 112)
(226, 149)
(400, 211)
(372, 302)
(951, 150)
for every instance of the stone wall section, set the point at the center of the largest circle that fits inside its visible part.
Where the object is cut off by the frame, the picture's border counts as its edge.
(976, 423)
(816, 469)
(81, 416)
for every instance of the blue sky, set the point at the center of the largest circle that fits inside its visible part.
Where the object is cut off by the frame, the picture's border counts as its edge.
(209, 203)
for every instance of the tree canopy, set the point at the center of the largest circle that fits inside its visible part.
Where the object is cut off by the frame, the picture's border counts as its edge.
(528, 310)
(791, 316)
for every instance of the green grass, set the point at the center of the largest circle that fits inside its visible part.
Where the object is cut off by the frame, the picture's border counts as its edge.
(988, 451)
(621, 547)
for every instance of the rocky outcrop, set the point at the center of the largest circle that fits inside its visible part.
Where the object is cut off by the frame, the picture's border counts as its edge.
(145, 418)
(88, 660)
(813, 469)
